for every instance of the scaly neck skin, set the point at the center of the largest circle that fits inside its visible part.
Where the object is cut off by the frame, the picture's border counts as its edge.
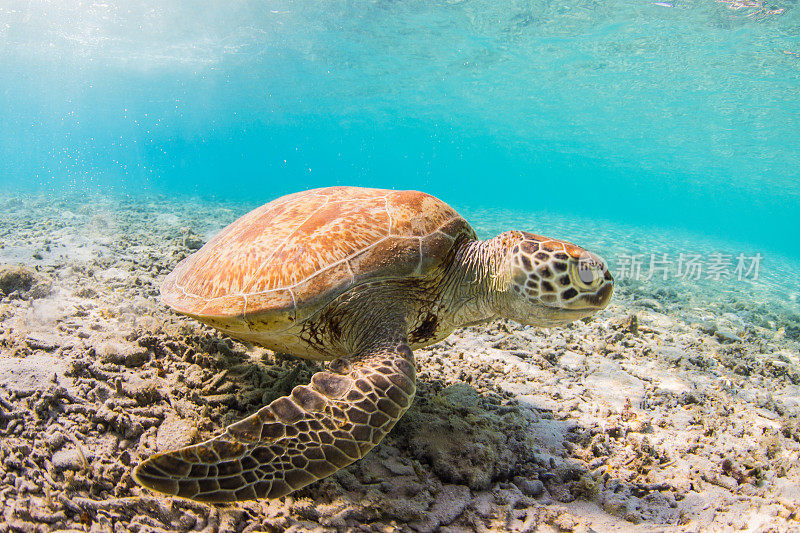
(477, 279)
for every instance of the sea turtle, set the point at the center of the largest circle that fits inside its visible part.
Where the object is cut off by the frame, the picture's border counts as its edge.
(359, 277)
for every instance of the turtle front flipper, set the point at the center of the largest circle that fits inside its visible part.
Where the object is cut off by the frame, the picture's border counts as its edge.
(297, 439)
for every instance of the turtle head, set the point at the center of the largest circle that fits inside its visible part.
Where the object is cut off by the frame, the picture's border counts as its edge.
(551, 282)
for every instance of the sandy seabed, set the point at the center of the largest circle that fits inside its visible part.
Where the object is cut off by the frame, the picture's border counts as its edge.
(668, 412)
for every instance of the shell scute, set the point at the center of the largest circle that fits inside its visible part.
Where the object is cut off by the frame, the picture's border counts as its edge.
(320, 284)
(432, 247)
(331, 233)
(301, 250)
(404, 208)
(395, 257)
(281, 306)
(228, 305)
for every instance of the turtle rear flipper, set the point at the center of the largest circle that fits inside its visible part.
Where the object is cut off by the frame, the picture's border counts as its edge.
(297, 439)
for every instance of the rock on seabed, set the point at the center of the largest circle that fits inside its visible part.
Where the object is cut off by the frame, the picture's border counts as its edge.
(648, 418)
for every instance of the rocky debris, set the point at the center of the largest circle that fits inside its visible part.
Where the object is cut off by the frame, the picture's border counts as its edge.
(72, 459)
(678, 416)
(792, 328)
(122, 353)
(191, 240)
(616, 387)
(451, 500)
(33, 373)
(726, 336)
(709, 327)
(23, 282)
(175, 432)
(648, 303)
(572, 361)
(529, 487)
(462, 440)
(43, 341)
(16, 278)
(628, 324)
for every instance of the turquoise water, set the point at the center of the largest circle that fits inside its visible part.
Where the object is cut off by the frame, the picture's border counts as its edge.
(681, 114)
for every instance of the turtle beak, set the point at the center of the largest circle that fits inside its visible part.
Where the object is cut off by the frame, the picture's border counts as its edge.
(602, 297)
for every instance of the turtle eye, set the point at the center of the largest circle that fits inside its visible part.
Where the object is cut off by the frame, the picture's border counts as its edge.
(587, 274)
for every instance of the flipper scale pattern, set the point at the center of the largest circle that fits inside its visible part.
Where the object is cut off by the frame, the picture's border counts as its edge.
(297, 439)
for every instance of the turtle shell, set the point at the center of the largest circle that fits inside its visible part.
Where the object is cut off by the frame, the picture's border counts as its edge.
(281, 262)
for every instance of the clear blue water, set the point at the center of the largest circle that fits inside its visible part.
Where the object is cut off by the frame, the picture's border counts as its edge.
(681, 114)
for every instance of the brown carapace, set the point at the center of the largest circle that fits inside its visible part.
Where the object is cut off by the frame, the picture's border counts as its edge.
(360, 278)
